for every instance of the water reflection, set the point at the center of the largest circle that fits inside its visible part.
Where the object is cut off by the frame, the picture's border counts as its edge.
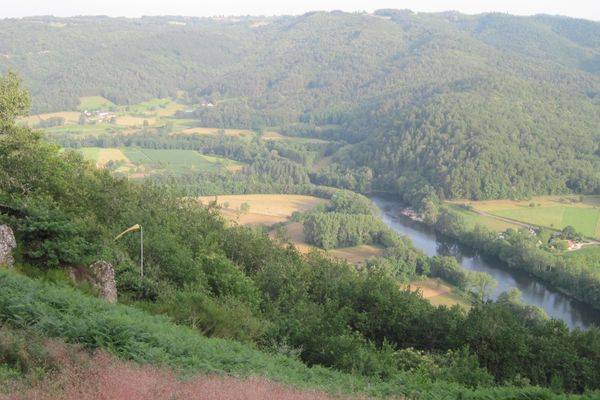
(535, 292)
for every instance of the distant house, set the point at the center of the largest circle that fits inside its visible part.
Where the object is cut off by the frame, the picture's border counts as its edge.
(99, 116)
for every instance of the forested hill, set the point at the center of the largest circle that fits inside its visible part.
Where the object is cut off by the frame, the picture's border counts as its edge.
(474, 106)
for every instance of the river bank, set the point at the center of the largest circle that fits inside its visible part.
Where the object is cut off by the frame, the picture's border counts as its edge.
(535, 292)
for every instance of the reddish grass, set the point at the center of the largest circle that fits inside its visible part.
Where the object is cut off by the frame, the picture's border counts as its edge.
(101, 377)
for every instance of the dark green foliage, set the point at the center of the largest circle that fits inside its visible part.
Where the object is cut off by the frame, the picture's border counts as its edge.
(333, 229)
(347, 202)
(15, 100)
(24, 353)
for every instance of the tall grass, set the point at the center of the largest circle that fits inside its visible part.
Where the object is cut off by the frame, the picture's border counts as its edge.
(100, 376)
(65, 313)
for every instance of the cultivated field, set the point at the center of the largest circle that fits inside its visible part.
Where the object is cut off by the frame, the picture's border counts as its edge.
(33, 120)
(265, 209)
(439, 293)
(102, 156)
(128, 120)
(137, 162)
(550, 211)
(216, 132)
(244, 133)
(294, 233)
(269, 209)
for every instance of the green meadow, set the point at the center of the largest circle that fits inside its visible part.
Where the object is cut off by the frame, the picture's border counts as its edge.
(555, 212)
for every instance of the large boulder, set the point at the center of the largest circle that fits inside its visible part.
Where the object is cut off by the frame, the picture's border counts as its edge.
(7, 244)
(103, 278)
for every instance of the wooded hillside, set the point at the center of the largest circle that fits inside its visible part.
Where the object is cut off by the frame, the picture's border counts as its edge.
(476, 106)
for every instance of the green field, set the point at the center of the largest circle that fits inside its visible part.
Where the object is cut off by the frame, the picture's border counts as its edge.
(472, 219)
(554, 212)
(593, 252)
(94, 129)
(91, 153)
(156, 107)
(135, 160)
(177, 161)
(94, 103)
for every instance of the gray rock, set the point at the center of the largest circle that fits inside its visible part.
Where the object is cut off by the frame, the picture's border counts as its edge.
(7, 244)
(103, 278)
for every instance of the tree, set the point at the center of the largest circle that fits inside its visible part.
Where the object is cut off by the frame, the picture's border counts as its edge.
(14, 101)
(481, 284)
(244, 208)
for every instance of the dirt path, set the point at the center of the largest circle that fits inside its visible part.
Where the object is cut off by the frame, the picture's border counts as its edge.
(504, 219)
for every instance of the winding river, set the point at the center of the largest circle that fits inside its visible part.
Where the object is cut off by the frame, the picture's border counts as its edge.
(535, 292)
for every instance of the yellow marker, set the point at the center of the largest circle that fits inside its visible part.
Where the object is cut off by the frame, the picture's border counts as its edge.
(141, 229)
(130, 229)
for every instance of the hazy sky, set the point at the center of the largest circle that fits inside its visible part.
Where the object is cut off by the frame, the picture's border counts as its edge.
(589, 9)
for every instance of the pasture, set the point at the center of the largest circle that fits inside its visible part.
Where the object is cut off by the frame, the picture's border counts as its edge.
(472, 219)
(94, 103)
(554, 212)
(155, 107)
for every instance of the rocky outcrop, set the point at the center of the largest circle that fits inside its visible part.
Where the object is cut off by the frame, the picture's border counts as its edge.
(7, 244)
(103, 278)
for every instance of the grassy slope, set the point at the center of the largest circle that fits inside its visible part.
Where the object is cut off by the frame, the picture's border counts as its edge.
(132, 334)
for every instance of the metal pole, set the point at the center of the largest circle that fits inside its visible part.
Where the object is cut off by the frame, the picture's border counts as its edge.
(142, 251)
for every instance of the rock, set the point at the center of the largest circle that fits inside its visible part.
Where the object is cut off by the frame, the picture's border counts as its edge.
(7, 244)
(103, 278)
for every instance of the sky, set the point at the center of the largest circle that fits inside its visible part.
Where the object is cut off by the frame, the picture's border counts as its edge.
(588, 9)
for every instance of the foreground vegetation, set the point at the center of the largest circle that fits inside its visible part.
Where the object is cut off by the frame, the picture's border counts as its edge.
(64, 313)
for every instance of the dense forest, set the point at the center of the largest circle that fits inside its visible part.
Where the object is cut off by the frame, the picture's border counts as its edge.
(486, 106)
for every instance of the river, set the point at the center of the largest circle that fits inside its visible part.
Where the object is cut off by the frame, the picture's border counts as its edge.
(535, 292)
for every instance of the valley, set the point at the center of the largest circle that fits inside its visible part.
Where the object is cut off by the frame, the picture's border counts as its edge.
(385, 204)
